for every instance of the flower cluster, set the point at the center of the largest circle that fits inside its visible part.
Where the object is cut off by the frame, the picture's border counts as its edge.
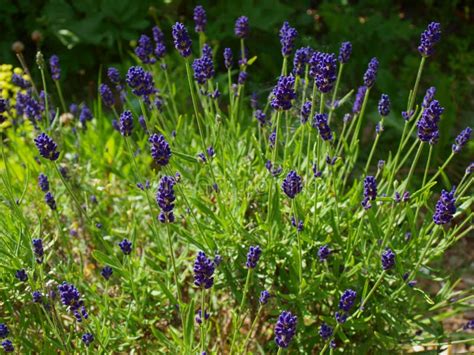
(71, 298)
(203, 271)
(165, 198)
(445, 207)
(283, 93)
(359, 99)
(429, 96)
(388, 259)
(38, 250)
(324, 252)
(302, 57)
(200, 19)
(323, 70)
(429, 38)
(264, 296)
(462, 139)
(428, 130)
(371, 73)
(106, 95)
(159, 38)
(54, 66)
(384, 105)
(203, 67)
(181, 39)
(345, 304)
(253, 256)
(242, 27)
(345, 52)
(47, 147)
(320, 122)
(141, 82)
(370, 191)
(160, 149)
(288, 36)
(305, 111)
(292, 184)
(228, 59)
(285, 329)
(126, 123)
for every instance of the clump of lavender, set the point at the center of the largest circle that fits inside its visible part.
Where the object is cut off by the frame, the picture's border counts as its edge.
(54, 66)
(253, 256)
(71, 298)
(428, 130)
(302, 56)
(203, 271)
(47, 147)
(106, 95)
(325, 331)
(429, 38)
(384, 105)
(160, 149)
(181, 39)
(50, 201)
(165, 198)
(43, 182)
(320, 121)
(324, 252)
(126, 246)
(371, 73)
(370, 191)
(126, 123)
(106, 272)
(159, 38)
(87, 339)
(292, 184)
(287, 39)
(200, 19)
(388, 259)
(345, 52)
(359, 99)
(445, 207)
(285, 329)
(242, 27)
(264, 296)
(283, 93)
(38, 250)
(462, 139)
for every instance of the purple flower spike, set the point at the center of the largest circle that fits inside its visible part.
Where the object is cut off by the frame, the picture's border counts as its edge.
(292, 185)
(428, 130)
(242, 27)
(126, 123)
(47, 147)
(106, 95)
(126, 246)
(359, 99)
(388, 259)
(371, 73)
(287, 39)
(283, 93)
(445, 207)
(429, 38)
(347, 300)
(181, 39)
(370, 191)
(144, 50)
(160, 149)
(345, 52)
(55, 69)
(462, 139)
(200, 19)
(253, 256)
(320, 122)
(302, 56)
(285, 329)
(384, 105)
(165, 198)
(325, 331)
(228, 58)
(264, 296)
(203, 271)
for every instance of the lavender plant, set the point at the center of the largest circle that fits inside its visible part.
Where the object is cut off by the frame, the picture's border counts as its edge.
(270, 233)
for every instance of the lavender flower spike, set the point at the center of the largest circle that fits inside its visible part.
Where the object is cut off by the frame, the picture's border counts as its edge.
(200, 19)
(388, 259)
(47, 147)
(429, 38)
(287, 39)
(242, 27)
(292, 185)
(126, 123)
(160, 149)
(165, 198)
(445, 207)
(371, 73)
(320, 122)
(283, 93)
(345, 52)
(462, 139)
(203, 271)
(253, 256)
(181, 39)
(54, 66)
(285, 329)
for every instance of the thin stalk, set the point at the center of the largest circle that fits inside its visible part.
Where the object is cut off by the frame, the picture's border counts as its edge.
(300, 254)
(71, 193)
(193, 98)
(364, 302)
(412, 168)
(372, 150)
(244, 297)
(360, 117)
(252, 327)
(46, 103)
(334, 95)
(412, 97)
(203, 319)
(173, 102)
(60, 94)
(441, 169)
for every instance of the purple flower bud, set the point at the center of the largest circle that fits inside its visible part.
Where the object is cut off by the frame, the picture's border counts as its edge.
(283, 93)
(292, 184)
(429, 38)
(181, 39)
(228, 58)
(462, 139)
(200, 19)
(445, 207)
(287, 39)
(285, 329)
(242, 27)
(345, 52)
(47, 147)
(55, 69)
(384, 105)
